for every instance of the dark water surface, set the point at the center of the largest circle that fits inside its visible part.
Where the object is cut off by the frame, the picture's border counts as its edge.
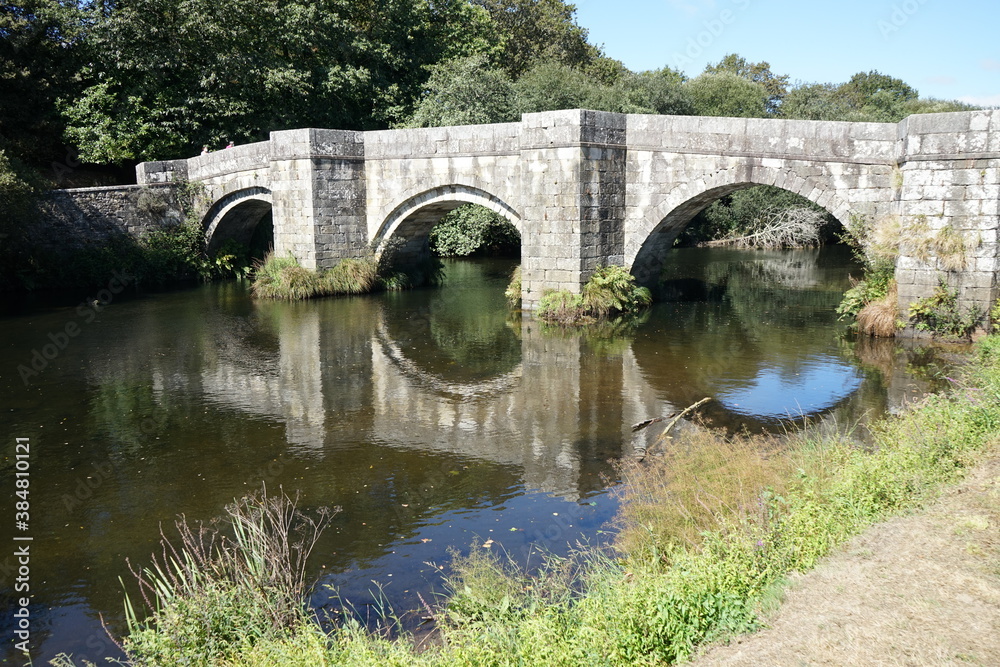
(432, 418)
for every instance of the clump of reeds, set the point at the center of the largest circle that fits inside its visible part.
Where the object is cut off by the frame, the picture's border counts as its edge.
(214, 590)
(881, 317)
(279, 277)
(350, 276)
(283, 278)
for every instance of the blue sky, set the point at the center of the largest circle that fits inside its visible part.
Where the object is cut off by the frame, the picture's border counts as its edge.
(944, 49)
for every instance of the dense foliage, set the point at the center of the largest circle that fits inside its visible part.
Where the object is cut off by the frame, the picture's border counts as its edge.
(610, 291)
(473, 229)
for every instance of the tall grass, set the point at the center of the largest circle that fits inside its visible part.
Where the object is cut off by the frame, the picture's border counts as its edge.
(213, 593)
(279, 277)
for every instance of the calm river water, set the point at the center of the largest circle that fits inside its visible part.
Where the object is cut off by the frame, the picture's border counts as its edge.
(432, 418)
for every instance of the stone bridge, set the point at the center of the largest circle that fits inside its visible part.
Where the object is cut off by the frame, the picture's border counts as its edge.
(587, 188)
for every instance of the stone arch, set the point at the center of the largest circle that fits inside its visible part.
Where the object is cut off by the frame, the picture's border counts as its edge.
(236, 215)
(418, 212)
(660, 227)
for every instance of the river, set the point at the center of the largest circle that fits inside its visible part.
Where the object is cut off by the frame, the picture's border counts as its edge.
(432, 418)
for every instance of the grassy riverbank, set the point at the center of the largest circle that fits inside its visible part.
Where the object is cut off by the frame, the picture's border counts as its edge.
(708, 534)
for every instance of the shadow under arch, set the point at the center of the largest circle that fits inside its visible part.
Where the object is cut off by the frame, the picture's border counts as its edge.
(236, 215)
(666, 221)
(412, 220)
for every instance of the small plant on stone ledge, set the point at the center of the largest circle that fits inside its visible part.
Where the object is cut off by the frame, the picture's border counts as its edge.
(610, 291)
(941, 315)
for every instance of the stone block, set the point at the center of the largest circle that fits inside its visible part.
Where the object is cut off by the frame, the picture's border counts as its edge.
(939, 123)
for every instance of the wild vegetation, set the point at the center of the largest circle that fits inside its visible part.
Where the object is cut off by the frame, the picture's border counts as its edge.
(875, 245)
(941, 314)
(611, 290)
(474, 230)
(708, 531)
(761, 216)
(277, 277)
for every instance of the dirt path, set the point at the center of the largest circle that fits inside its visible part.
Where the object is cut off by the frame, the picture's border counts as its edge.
(917, 590)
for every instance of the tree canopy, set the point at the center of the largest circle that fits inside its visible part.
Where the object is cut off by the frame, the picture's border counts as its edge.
(135, 80)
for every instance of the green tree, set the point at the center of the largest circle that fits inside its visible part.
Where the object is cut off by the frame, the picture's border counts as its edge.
(537, 30)
(870, 96)
(658, 92)
(865, 86)
(41, 43)
(550, 85)
(776, 85)
(465, 91)
(171, 75)
(473, 229)
(727, 94)
(815, 101)
(17, 196)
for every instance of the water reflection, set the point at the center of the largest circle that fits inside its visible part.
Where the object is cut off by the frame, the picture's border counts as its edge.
(429, 417)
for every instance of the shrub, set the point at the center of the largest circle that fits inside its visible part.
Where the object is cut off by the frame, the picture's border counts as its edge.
(941, 315)
(474, 230)
(215, 596)
(513, 291)
(611, 290)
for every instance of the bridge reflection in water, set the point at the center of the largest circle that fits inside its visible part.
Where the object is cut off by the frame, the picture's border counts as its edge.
(446, 372)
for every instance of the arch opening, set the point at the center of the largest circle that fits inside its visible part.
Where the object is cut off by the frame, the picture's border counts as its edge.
(471, 216)
(757, 213)
(241, 223)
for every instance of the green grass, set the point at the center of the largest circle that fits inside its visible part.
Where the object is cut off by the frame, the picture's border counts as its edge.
(279, 277)
(708, 533)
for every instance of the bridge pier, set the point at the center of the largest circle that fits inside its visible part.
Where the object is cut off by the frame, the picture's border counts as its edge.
(572, 198)
(947, 193)
(318, 191)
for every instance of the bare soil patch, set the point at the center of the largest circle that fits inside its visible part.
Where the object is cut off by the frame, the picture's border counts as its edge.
(921, 589)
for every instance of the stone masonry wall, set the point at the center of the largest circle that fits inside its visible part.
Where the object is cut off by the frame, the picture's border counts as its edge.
(949, 190)
(587, 188)
(572, 198)
(91, 217)
(677, 165)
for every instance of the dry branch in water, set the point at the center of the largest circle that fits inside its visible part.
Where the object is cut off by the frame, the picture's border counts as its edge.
(641, 453)
(779, 228)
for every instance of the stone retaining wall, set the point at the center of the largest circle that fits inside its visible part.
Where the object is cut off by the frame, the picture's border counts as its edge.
(90, 217)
